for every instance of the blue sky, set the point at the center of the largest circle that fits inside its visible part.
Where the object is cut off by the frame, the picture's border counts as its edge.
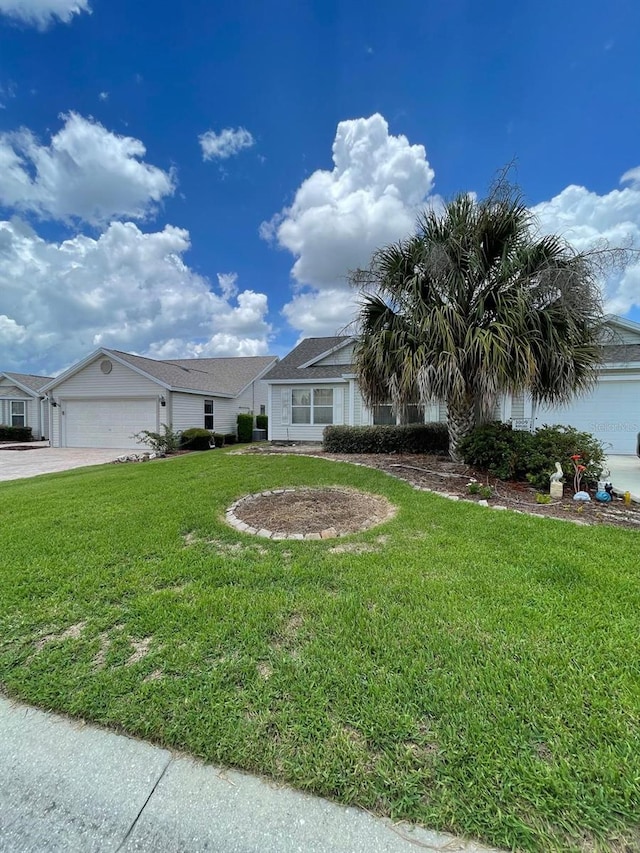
(129, 218)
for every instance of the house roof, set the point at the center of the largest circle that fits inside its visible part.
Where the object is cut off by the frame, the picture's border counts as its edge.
(28, 381)
(621, 354)
(291, 366)
(225, 377)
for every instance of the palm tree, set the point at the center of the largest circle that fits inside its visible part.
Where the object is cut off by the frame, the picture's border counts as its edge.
(474, 305)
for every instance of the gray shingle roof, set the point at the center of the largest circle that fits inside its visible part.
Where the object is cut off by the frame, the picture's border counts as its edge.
(624, 353)
(213, 376)
(308, 349)
(35, 383)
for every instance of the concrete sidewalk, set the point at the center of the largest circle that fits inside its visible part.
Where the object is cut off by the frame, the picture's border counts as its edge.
(66, 786)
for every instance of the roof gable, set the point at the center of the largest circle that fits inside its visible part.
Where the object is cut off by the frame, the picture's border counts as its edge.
(28, 382)
(301, 362)
(224, 377)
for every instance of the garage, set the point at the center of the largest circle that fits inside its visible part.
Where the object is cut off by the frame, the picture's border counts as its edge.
(107, 423)
(611, 412)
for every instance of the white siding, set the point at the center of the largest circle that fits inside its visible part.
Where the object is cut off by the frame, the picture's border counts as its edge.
(517, 406)
(344, 355)
(187, 410)
(624, 336)
(92, 383)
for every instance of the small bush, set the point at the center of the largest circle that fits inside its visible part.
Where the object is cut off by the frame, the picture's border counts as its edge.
(229, 438)
(516, 455)
(412, 438)
(15, 433)
(245, 428)
(218, 437)
(262, 422)
(543, 499)
(195, 438)
(167, 441)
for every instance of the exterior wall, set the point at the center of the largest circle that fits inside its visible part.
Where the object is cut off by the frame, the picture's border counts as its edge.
(92, 383)
(281, 430)
(33, 407)
(342, 356)
(625, 336)
(187, 410)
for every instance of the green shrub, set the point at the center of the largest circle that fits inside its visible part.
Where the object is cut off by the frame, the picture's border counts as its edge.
(218, 437)
(412, 438)
(229, 438)
(245, 428)
(517, 455)
(262, 422)
(195, 438)
(167, 441)
(15, 433)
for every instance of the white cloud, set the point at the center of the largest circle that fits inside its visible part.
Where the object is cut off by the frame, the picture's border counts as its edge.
(127, 289)
(104, 96)
(227, 282)
(586, 219)
(225, 144)
(86, 173)
(338, 218)
(42, 13)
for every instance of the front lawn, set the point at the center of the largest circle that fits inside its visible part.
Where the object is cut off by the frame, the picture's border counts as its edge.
(471, 670)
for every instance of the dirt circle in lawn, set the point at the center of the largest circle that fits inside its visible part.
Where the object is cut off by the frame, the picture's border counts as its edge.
(309, 513)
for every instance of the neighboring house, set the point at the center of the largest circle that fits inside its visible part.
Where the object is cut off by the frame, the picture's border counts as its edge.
(104, 400)
(22, 402)
(315, 385)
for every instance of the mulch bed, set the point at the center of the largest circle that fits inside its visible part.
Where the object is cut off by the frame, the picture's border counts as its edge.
(440, 474)
(307, 510)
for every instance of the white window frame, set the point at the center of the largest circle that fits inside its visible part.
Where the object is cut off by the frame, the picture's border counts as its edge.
(289, 407)
(209, 414)
(13, 414)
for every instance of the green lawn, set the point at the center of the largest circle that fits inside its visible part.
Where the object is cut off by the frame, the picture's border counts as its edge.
(471, 670)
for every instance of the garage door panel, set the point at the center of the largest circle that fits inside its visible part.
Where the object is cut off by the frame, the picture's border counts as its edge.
(107, 423)
(611, 412)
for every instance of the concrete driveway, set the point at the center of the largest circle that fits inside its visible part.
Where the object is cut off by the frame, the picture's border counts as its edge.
(41, 459)
(625, 475)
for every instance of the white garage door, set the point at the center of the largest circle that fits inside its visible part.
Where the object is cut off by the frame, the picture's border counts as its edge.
(107, 423)
(611, 412)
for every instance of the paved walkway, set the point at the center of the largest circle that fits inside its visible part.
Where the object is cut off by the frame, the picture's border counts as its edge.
(66, 786)
(625, 475)
(42, 459)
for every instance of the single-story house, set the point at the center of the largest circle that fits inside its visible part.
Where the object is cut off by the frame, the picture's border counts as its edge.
(315, 385)
(22, 402)
(108, 397)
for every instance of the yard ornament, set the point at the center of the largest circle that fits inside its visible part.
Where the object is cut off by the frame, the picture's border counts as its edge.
(555, 485)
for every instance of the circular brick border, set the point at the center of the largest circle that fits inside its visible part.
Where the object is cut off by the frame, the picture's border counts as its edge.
(329, 533)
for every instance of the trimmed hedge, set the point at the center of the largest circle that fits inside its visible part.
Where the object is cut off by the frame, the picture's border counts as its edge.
(14, 433)
(262, 422)
(230, 438)
(245, 428)
(411, 438)
(196, 438)
(510, 454)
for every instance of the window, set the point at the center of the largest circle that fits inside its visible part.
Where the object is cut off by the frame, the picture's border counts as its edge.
(312, 406)
(301, 406)
(208, 415)
(18, 413)
(383, 414)
(263, 409)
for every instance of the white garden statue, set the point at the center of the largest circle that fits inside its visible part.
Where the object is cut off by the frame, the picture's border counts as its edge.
(555, 486)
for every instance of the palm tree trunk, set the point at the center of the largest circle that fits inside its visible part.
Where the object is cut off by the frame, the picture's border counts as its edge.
(461, 419)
